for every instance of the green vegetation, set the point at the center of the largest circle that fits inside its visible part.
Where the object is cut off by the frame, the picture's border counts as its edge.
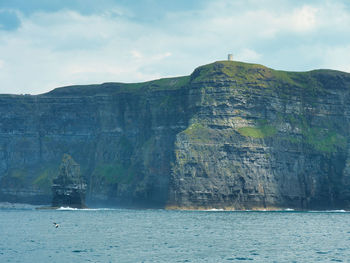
(155, 85)
(262, 130)
(198, 132)
(324, 140)
(44, 180)
(284, 77)
(238, 71)
(294, 140)
(194, 128)
(114, 173)
(115, 87)
(250, 78)
(258, 132)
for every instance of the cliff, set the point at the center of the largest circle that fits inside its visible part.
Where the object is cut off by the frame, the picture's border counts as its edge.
(231, 135)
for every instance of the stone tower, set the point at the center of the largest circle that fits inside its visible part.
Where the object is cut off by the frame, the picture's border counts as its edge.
(230, 57)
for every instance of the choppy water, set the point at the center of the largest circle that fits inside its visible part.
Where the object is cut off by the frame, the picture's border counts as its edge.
(106, 235)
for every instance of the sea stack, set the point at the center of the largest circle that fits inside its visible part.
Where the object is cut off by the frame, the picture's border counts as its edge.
(68, 188)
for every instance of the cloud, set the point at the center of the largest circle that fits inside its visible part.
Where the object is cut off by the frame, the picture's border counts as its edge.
(66, 46)
(304, 19)
(136, 54)
(248, 55)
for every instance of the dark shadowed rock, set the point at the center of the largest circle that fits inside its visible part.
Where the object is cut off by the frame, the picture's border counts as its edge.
(231, 135)
(68, 189)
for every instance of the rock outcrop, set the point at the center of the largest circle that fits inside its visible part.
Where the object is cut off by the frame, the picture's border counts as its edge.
(68, 188)
(231, 135)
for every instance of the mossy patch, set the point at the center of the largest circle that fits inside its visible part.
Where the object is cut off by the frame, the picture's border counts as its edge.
(324, 140)
(262, 130)
(44, 180)
(114, 173)
(198, 132)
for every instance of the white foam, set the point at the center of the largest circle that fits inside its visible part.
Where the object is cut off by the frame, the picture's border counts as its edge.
(329, 211)
(67, 208)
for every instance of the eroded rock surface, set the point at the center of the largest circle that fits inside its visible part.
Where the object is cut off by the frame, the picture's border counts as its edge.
(231, 135)
(68, 188)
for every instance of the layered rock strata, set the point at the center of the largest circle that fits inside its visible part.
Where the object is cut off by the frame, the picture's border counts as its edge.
(231, 135)
(68, 188)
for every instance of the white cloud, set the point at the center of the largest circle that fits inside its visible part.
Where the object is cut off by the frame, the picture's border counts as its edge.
(161, 56)
(248, 55)
(136, 54)
(65, 47)
(304, 19)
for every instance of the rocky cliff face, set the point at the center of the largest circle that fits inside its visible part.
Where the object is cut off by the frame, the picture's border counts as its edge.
(231, 135)
(122, 135)
(68, 188)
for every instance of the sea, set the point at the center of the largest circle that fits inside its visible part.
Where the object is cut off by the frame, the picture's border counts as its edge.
(126, 235)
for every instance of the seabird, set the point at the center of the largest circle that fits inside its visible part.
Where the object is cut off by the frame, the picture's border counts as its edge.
(56, 225)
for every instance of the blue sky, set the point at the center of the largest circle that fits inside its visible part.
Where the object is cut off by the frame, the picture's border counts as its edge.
(50, 43)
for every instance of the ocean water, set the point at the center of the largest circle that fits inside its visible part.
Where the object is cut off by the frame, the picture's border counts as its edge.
(120, 235)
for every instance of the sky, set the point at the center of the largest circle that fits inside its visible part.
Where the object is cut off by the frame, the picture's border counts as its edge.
(46, 44)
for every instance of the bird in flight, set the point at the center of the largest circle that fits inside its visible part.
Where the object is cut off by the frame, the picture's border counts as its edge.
(56, 225)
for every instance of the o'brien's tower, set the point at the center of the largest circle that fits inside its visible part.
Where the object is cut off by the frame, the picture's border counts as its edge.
(230, 57)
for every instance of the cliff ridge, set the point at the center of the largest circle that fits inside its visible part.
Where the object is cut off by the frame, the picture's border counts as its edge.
(231, 135)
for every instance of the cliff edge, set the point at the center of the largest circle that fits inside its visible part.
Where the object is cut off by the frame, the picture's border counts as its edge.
(231, 135)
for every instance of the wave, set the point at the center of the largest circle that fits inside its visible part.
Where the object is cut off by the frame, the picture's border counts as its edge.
(329, 211)
(215, 210)
(290, 210)
(67, 208)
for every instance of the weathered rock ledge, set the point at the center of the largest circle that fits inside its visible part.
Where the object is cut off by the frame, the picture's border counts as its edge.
(230, 135)
(68, 189)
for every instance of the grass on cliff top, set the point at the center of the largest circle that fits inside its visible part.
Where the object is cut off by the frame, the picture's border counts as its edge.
(231, 70)
(243, 74)
(155, 85)
(115, 87)
(309, 84)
